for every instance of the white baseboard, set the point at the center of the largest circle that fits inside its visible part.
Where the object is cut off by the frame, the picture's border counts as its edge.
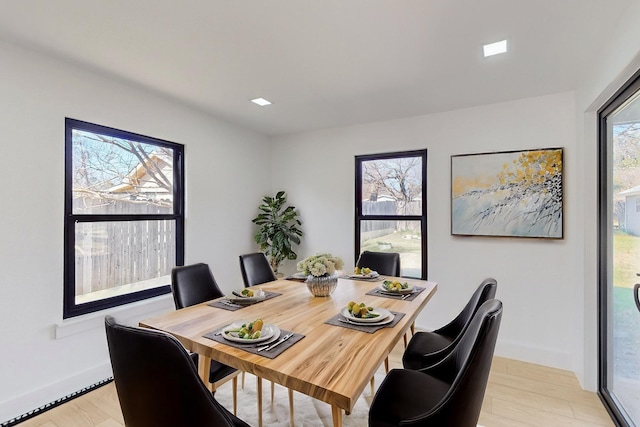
(537, 355)
(19, 405)
(532, 354)
(66, 385)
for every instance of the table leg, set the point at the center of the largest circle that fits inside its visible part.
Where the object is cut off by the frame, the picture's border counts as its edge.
(291, 407)
(204, 366)
(259, 392)
(336, 414)
(234, 384)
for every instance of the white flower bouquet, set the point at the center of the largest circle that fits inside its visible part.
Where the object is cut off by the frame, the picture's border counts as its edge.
(320, 265)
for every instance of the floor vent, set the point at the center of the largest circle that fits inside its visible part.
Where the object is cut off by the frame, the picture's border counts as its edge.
(44, 408)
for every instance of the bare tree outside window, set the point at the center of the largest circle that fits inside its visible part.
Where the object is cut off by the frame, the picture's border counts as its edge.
(399, 179)
(389, 206)
(121, 207)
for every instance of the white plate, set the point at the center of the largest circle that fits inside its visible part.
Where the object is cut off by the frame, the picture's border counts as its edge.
(403, 291)
(384, 321)
(258, 296)
(364, 276)
(299, 275)
(381, 311)
(268, 332)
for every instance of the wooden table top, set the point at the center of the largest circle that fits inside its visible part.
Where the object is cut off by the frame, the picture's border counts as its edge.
(332, 364)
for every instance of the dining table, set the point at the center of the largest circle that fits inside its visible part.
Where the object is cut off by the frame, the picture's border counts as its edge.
(331, 359)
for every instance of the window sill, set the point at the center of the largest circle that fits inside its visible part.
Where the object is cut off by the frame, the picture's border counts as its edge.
(95, 320)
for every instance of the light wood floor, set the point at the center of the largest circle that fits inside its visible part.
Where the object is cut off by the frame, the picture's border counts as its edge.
(518, 394)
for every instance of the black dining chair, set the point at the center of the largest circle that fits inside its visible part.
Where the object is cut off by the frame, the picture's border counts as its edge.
(386, 263)
(427, 347)
(448, 393)
(157, 383)
(195, 284)
(256, 270)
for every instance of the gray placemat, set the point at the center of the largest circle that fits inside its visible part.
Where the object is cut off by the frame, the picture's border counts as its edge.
(364, 279)
(413, 295)
(339, 320)
(253, 348)
(295, 278)
(228, 305)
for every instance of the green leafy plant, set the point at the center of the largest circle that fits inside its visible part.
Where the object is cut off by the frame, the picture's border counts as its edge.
(278, 229)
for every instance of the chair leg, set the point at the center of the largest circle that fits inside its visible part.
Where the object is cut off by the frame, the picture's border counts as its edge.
(373, 383)
(291, 406)
(243, 380)
(259, 392)
(386, 365)
(272, 390)
(234, 384)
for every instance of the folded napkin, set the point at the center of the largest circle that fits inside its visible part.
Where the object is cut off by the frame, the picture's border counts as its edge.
(253, 348)
(339, 320)
(380, 293)
(228, 305)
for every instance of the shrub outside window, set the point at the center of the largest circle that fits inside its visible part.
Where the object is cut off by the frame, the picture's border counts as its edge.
(124, 224)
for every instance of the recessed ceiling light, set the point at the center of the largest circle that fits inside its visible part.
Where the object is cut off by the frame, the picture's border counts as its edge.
(261, 101)
(495, 48)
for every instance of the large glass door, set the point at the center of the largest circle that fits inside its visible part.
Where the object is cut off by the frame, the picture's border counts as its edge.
(619, 363)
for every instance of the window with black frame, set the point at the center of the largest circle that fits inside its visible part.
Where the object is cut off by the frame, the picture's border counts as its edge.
(124, 216)
(391, 214)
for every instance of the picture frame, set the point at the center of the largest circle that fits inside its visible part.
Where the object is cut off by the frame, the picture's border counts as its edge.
(508, 194)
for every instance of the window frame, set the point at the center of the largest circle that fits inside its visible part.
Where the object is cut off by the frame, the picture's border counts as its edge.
(70, 308)
(359, 217)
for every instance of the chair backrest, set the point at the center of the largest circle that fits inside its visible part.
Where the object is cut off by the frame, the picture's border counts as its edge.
(467, 368)
(193, 284)
(387, 263)
(255, 269)
(157, 382)
(454, 329)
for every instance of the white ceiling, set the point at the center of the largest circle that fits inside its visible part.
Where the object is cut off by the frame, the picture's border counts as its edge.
(323, 63)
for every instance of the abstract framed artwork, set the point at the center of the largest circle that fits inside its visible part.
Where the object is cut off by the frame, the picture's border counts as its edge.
(508, 194)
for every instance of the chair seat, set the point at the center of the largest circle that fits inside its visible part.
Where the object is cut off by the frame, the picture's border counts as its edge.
(157, 383)
(427, 348)
(218, 370)
(408, 393)
(421, 345)
(450, 391)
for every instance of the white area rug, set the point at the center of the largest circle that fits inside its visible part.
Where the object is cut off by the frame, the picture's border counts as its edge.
(308, 412)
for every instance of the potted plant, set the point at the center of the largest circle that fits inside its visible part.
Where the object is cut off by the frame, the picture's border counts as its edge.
(278, 229)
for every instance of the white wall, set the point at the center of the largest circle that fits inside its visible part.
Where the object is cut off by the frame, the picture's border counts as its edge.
(608, 73)
(548, 287)
(536, 278)
(36, 94)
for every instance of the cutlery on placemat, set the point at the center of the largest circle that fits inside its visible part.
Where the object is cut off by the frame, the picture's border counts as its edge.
(345, 320)
(389, 294)
(272, 346)
(230, 304)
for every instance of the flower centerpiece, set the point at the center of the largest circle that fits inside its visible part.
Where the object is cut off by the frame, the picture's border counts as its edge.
(320, 270)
